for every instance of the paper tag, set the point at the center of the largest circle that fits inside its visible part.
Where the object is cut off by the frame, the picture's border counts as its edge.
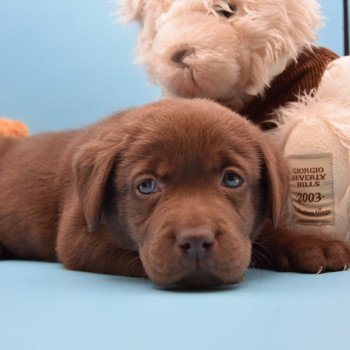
(311, 182)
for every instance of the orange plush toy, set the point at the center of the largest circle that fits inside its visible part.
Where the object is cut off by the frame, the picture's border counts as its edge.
(12, 128)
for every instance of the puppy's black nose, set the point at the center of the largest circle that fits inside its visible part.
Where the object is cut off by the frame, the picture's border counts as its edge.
(197, 247)
(180, 54)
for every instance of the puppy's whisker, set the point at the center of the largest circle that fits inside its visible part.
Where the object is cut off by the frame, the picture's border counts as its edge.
(263, 248)
(261, 259)
(252, 264)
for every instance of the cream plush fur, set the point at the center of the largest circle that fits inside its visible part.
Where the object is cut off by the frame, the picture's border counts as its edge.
(321, 124)
(230, 51)
(227, 59)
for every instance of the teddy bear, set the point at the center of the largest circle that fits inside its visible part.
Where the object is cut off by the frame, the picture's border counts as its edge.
(13, 128)
(259, 58)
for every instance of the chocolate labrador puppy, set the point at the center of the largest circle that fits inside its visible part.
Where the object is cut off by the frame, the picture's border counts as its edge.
(176, 190)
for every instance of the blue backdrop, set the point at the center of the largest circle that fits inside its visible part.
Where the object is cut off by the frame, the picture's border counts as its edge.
(67, 63)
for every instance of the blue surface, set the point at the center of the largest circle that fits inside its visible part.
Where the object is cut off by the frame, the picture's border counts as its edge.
(45, 307)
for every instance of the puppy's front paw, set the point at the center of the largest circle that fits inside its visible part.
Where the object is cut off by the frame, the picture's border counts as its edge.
(283, 250)
(312, 255)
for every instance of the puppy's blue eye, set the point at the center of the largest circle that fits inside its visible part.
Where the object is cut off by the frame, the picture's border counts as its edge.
(232, 180)
(148, 186)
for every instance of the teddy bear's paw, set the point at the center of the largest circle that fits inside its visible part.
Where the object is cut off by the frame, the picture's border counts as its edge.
(312, 255)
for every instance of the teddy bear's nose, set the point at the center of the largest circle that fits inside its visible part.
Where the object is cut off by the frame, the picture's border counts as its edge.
(179, 55)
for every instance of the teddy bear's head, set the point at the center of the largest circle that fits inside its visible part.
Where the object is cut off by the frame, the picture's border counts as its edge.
(226, 50)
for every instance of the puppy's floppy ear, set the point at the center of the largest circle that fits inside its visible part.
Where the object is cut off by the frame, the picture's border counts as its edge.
(92, 166)
(131, 10)
(276, 172)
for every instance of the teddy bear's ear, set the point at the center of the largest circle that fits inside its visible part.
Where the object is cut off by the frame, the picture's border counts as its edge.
(131, 10)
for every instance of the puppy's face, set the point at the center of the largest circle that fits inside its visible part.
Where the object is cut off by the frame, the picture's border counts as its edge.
(220, 49)
(189, 189)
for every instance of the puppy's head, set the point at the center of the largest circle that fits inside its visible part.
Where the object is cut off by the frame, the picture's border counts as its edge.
(220, 49)
(187, 183)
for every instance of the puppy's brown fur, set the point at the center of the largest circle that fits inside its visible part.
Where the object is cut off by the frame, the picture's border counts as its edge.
(73, 196)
